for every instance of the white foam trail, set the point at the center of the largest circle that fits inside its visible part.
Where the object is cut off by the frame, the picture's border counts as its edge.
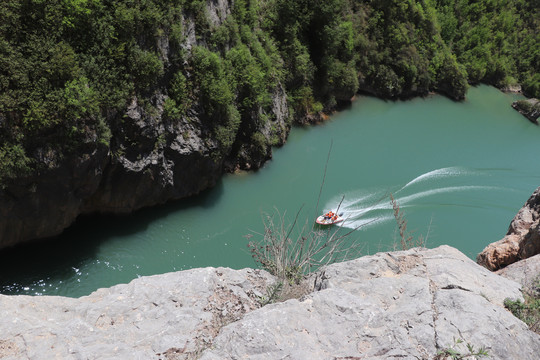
(367, 222)
(372, 209)
(356, 205)
(423, 194)
(352, 200)
(436, 174)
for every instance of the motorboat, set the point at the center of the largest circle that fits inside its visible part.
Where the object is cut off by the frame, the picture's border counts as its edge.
(329, 218)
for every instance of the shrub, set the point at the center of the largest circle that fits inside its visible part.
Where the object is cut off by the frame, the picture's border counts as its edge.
(343, 80)
(258, 140)
(179, 92)
(80, 100)
(214, 85)
(13, 161)
(145, 67)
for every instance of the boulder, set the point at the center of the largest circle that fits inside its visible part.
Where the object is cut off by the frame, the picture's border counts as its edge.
(521, 241)
(408, 305)
(150, 318)
(411, 304)
(526, 272)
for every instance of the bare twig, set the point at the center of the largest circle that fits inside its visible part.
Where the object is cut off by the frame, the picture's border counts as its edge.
(324, 176)
(406, 239)
(290, 258)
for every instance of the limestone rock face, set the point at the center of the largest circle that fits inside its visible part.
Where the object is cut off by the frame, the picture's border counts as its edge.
(395, 305)
(150, 318)
(526, 272)
(43, 204)
(522, 240)
(407, 305)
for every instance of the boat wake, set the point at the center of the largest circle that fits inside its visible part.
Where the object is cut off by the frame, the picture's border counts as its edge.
(446, 186)
(361, 209)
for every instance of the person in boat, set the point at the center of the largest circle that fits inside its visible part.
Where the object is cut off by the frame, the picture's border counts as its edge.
(334, 218)
(328, 215)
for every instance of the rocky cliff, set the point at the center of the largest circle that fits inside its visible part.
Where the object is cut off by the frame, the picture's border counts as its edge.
(529, 108)
(521, 241)
(410, 305)
(146, 152)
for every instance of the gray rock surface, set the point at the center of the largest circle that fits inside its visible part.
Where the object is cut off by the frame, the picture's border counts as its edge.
(390, 305)
(526, 272)
(175, 313)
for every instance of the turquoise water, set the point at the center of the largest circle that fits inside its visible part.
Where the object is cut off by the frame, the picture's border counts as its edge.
(459, 170)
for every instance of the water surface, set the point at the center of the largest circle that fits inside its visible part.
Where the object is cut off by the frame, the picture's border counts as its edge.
(460, 171)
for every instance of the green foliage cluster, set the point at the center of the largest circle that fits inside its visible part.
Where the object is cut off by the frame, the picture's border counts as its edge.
(69, 68)
(14, 161)
(332, 49)
(528, 311)
(497, 41)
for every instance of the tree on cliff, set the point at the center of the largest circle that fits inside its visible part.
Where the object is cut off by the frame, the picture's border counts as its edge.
(71, 71)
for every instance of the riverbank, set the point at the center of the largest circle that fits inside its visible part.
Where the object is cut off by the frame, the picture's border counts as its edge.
(444, 172)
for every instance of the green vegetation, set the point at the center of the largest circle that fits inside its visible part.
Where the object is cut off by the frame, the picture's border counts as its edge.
(497, 41)
(455, 352)
(528, 106)
(272, 294)
(528, 311)
(70, 68)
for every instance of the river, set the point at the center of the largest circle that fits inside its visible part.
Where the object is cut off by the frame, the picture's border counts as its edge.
(460, 171)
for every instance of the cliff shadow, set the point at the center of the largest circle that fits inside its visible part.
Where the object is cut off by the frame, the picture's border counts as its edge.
(54, 260)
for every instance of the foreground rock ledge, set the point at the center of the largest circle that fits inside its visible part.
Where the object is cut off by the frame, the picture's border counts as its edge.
(405, 305)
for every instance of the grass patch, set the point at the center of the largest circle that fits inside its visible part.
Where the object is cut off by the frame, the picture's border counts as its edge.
(461, 351)
(529, 310)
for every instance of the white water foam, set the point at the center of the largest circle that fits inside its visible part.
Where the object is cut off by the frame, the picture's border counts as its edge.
(406, 200)
(438, 174)
(364, 209)
(356, 208)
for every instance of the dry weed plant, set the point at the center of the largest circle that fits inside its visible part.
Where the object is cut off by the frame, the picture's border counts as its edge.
(407, 241)
(290, 254)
